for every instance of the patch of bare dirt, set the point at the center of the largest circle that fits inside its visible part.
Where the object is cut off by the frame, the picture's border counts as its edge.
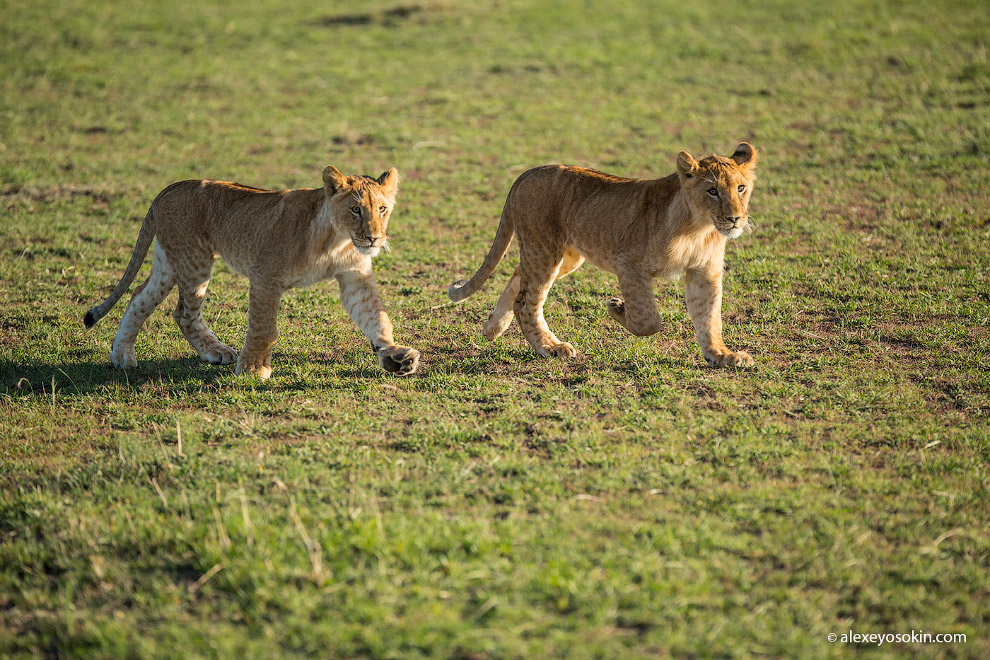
(388, 17)
(49, 194)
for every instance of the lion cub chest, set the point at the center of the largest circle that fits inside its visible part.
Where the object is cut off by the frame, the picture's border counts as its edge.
(326, 260)
(694, 251)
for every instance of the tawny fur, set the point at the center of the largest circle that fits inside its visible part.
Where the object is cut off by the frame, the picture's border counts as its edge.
(278, 239)
(638, 229)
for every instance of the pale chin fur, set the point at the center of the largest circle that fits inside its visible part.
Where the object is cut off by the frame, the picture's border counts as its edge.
(735, 232)
(368, 251)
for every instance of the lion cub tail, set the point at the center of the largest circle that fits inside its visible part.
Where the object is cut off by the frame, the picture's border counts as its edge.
(460, 289)
(145, 236)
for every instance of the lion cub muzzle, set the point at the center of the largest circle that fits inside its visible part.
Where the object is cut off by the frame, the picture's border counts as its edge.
(369, 245)
(732, 226)
(368, 249)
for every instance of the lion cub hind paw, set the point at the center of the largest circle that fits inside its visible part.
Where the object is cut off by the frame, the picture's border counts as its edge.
(220, 354)
(399, 360)
(496, 327)
(741, 359)
(123, 358)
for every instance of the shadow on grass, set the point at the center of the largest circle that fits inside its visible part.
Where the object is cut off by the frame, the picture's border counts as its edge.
(83, 377)
(187, 373)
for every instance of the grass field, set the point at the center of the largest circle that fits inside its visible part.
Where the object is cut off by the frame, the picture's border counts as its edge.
(629, 503)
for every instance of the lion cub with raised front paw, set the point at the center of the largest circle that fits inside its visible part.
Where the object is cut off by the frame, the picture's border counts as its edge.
(278, 239)
(636, 228)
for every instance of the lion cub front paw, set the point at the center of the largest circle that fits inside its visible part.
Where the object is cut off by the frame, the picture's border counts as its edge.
(738, 359)
(617, 309)
(561, 350)
(399, 360)
(260, 367)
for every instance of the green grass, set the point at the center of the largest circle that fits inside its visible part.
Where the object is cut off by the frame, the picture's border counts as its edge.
(630, 503)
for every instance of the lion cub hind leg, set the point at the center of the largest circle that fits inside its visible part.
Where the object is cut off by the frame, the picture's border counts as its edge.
(501, 317)
(144, 301)
(200, 337)
(703, 295)
(536, 275)
(188, 313)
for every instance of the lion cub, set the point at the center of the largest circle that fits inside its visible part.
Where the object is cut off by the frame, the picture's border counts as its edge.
(278, 239)
(638, 229)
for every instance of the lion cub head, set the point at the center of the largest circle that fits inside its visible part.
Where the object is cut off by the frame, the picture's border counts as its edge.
(361, 205)
(718, 188)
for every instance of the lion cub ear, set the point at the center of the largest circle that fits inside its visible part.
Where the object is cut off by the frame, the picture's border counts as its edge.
(745, 154)
(333, 180)
(686, 164)
(389, 181)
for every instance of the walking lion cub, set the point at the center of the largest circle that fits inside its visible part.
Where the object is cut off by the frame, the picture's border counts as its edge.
(638, 229)
(278, 239)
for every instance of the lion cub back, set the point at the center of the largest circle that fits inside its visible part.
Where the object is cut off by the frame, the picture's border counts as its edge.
(243, 224)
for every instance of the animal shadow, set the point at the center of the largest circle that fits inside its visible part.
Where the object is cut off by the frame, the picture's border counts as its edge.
(86, 376)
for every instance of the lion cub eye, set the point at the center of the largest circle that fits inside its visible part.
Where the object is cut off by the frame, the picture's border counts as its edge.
(741, 189)
(356, 210)
(713, 192)
(383, 210)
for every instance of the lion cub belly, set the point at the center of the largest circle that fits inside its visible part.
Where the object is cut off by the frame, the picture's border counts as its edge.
(668, 263)
(604, 261)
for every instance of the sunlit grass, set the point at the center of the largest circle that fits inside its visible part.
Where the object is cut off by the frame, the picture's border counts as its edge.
(629, 503)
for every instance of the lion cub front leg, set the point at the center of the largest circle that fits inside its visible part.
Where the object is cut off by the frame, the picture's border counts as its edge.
(703, 294)
(638, 312)
(359, 296)
(256, 357)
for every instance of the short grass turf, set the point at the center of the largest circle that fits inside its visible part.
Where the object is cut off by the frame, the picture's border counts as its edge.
(630, 503)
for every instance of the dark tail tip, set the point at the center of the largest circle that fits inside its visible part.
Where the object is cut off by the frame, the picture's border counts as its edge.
(456, 291)
(90, 319)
